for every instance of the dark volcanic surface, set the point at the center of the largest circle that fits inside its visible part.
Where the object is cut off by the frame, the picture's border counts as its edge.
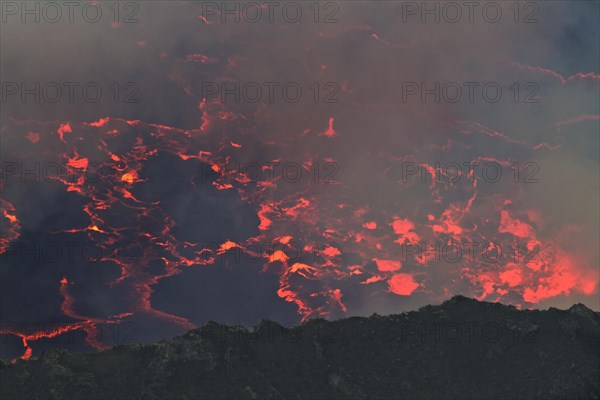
(462, 349)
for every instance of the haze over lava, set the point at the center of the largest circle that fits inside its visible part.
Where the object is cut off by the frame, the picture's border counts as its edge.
(139, 220)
